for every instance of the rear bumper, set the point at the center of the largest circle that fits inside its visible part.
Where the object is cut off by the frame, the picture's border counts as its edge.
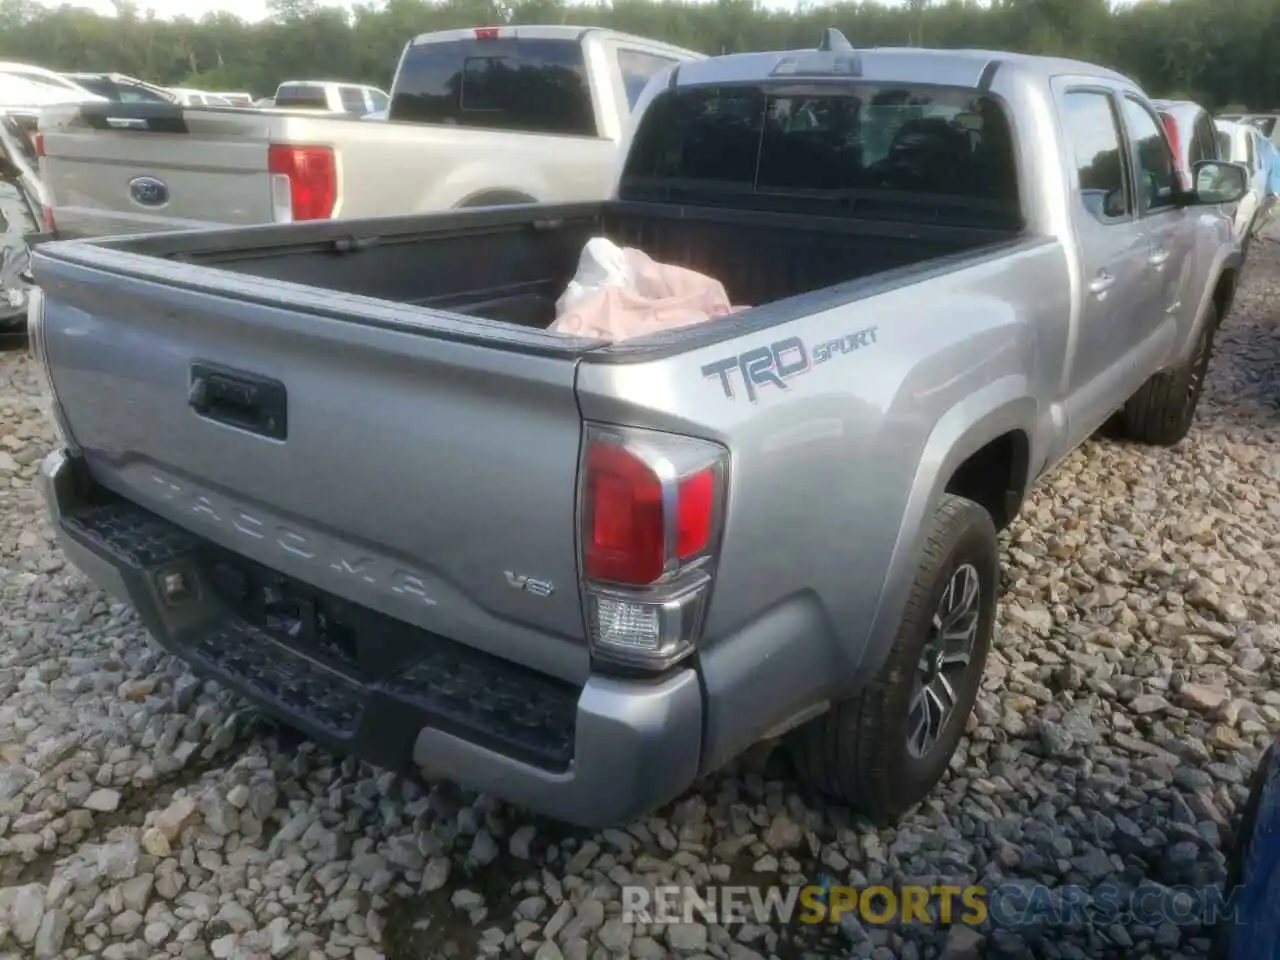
(594, 756)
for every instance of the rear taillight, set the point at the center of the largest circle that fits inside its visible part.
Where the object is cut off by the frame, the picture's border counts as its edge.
(652, 506)
(304, 182)
(37, 142)
(1175, 144)
(50, 224)
(486, 33)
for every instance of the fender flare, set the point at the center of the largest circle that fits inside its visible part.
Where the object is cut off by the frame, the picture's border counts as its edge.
(466, 183)
(1228, 262)
(999, 408)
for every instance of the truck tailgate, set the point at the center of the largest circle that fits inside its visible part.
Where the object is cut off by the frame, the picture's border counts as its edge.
(130, 168)
(427, 478)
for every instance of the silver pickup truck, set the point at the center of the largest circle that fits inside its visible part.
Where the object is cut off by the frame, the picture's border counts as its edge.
(346, 469)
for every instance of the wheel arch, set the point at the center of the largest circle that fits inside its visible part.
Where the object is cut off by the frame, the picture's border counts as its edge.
(993, 425)
(495, 198)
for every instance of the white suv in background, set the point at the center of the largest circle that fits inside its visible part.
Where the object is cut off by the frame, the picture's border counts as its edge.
(1268, 124)
(1244, 143)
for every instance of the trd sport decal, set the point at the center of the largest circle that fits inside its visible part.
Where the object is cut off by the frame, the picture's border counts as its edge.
(781, 361)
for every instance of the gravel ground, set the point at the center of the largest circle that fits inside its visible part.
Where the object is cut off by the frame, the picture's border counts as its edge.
(145, 814)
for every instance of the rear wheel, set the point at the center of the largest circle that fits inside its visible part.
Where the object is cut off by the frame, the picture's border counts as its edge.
(883, 750)
(1162, 411)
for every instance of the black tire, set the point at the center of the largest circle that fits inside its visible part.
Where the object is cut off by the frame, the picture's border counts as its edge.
(1162, 411)
(857, 753)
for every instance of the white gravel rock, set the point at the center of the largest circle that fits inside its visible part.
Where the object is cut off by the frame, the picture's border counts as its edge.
(1132, 682)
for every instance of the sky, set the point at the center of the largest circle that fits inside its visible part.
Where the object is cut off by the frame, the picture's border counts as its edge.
(251, 10)
(195, 9)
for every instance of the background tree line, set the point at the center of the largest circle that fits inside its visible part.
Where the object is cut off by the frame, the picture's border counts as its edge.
(1219, 52)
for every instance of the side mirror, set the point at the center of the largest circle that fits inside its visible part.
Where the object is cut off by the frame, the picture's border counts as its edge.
(1217, 181)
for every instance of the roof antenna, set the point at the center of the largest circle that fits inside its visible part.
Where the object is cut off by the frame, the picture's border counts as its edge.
(833, 41)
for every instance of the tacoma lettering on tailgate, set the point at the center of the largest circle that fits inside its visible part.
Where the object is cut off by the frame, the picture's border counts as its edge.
(307, 547)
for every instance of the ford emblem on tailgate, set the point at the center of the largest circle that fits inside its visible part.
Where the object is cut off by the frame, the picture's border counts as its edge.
(149, 191)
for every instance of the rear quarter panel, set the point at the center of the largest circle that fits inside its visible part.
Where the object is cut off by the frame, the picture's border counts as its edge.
(835, 470)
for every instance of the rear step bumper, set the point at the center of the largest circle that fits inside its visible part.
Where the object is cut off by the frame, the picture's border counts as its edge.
(594, 756)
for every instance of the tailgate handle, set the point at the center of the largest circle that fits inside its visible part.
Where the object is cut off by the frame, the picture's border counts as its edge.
(245, 401)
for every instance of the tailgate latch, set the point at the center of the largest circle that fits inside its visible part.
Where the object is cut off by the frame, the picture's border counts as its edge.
(246, 401)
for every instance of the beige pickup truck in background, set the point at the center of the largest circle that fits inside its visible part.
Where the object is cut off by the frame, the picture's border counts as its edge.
(478, 117)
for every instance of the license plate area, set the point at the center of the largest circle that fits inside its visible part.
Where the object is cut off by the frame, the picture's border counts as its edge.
(310, 621)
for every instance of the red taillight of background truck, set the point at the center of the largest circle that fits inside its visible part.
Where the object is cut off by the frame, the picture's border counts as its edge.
(305, 181)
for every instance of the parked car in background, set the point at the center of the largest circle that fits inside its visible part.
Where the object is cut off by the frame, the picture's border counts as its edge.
(21, 223)
(580, 574)
(236, 99)
(1268, 125)
(122, 89)
(1191, 134)
(198, 98)
(1244, 144)
(480, 117)
(351, 99)
(18, 91)
(25, 88)
(43, 78)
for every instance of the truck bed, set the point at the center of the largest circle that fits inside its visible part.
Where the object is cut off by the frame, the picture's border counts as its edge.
(281, 393)
(512, 265)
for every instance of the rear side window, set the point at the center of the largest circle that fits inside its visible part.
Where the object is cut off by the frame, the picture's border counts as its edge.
(352, 100)
(125, 92)
(102, 86)
(882, 150)
(1157, 173)
(637, 67)
(530, 86)
(131, 94)
(1224, 145)
(1195, 149)
(1205, 145)
(304, 95)
(1093, 132)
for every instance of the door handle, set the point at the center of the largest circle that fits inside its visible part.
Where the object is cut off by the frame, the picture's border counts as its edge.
(1158, 258)
(1101, 283)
